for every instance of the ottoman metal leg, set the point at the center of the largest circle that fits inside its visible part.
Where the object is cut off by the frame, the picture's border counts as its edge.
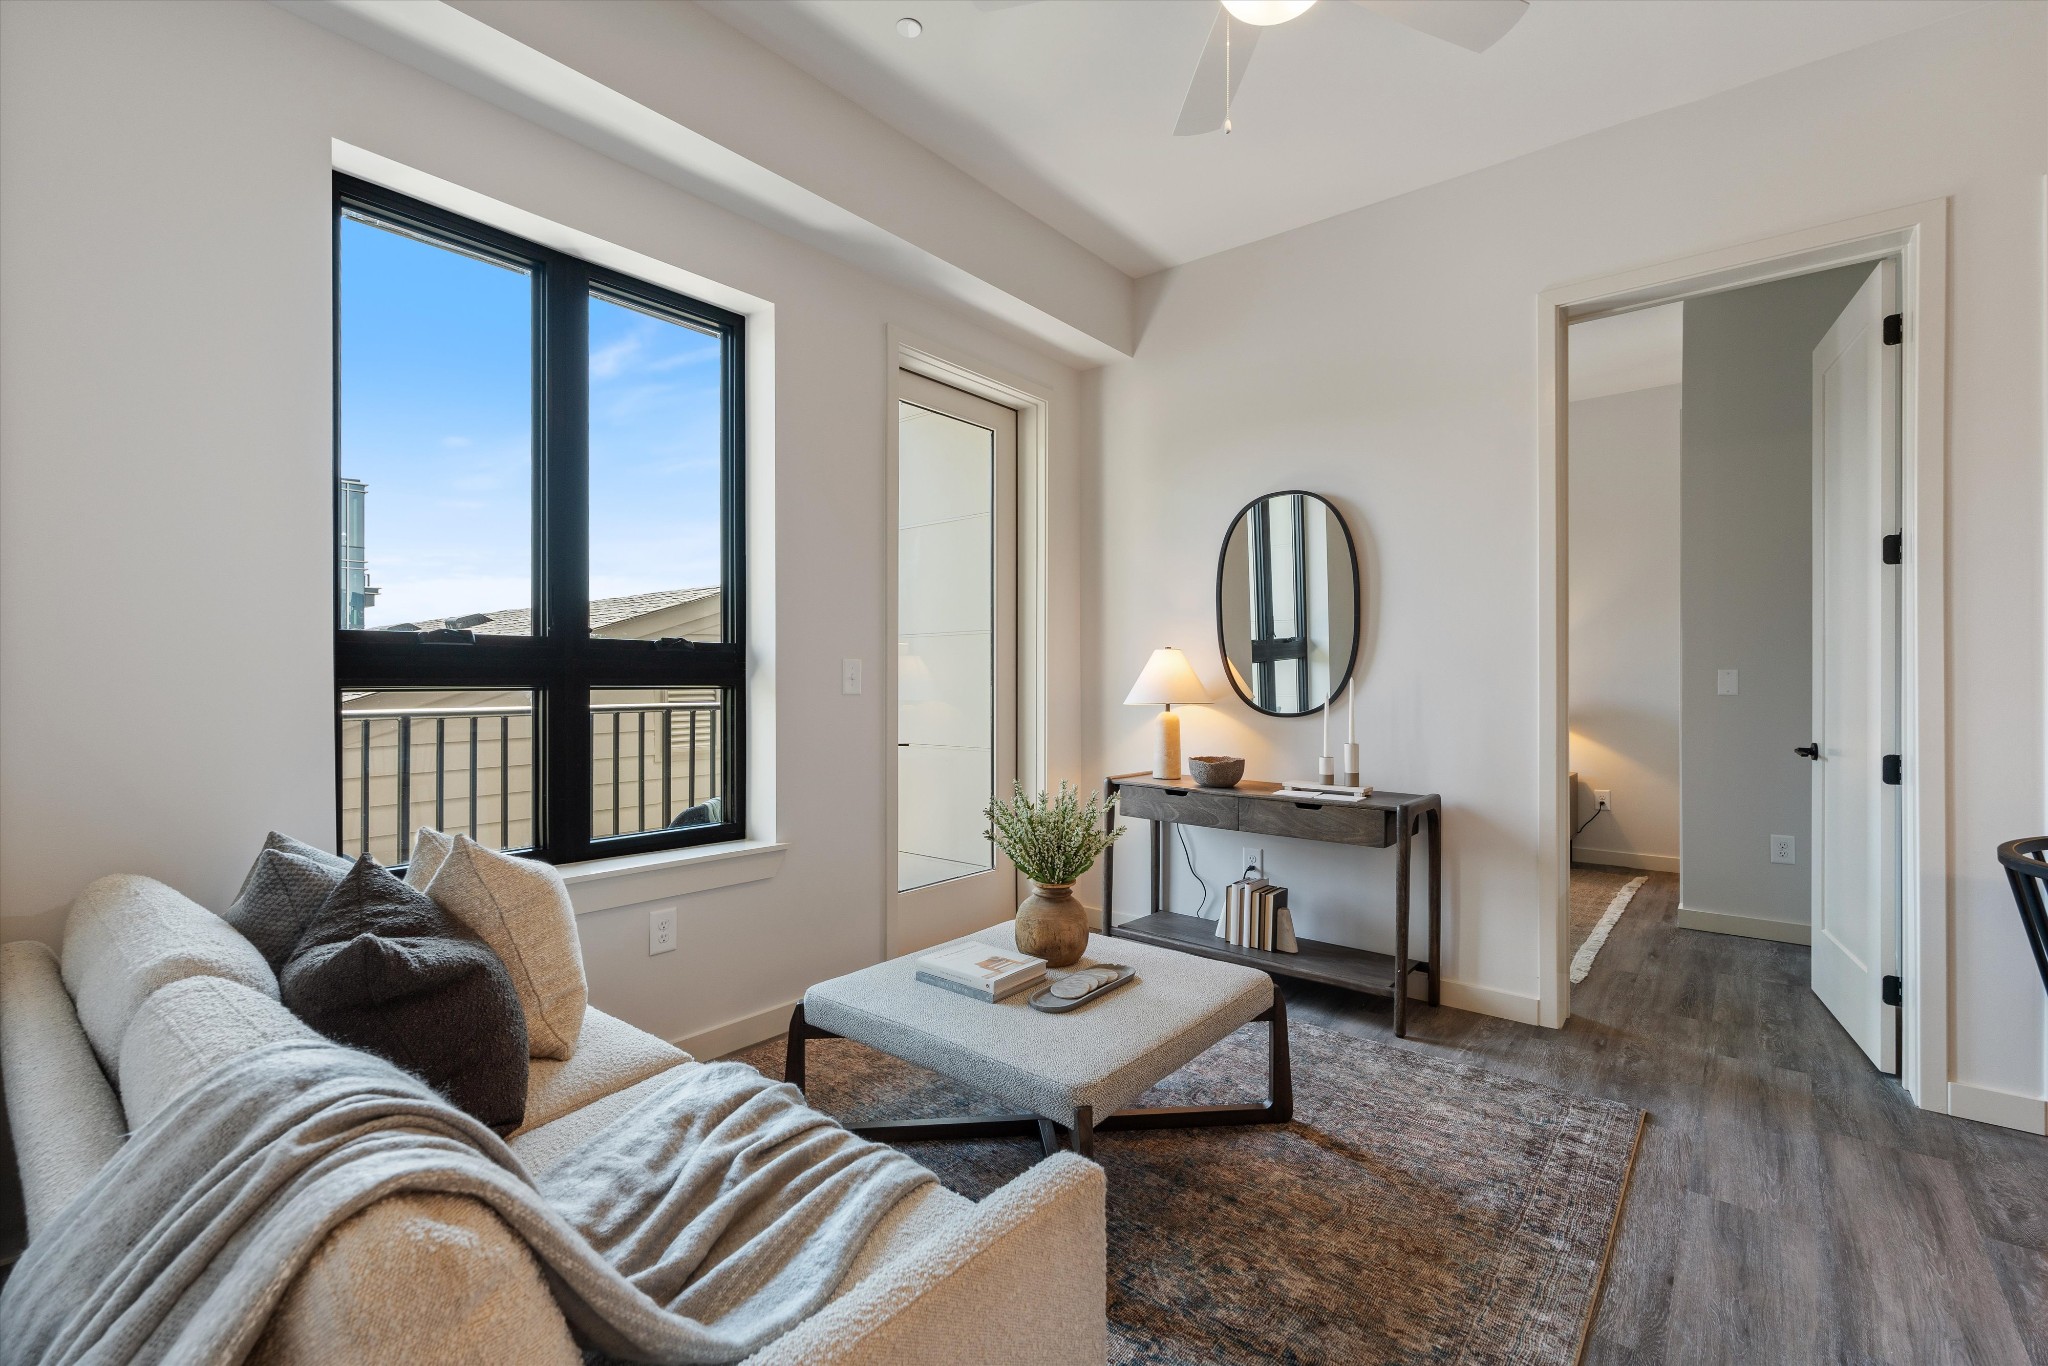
(1277, 1109)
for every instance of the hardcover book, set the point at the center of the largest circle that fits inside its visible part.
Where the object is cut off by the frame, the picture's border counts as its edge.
(982, 969)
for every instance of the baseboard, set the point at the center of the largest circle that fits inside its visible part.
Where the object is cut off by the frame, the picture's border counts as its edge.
(1747, 926)
(734, 1035)
(1505, 1005)
(1624, 858)
(1988, 1105)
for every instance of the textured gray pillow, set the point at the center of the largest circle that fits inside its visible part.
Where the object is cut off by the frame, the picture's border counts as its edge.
(283, 888)
(380, 967)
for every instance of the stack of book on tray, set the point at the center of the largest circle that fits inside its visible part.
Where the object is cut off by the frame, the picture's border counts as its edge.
(1255, 916)
(981, 971)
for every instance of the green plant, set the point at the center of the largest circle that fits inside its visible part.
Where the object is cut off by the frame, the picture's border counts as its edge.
(1052, 840)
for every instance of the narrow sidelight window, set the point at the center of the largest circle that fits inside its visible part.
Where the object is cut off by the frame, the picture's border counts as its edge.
(539, 545)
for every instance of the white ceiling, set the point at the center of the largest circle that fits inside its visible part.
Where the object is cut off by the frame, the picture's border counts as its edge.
(1628, 351)
(1067, 107)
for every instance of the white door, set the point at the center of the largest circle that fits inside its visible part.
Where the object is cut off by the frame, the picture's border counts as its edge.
(1855, 856)
(956, 659)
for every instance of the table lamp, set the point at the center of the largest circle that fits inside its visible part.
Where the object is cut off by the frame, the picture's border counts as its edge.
(1168, 678)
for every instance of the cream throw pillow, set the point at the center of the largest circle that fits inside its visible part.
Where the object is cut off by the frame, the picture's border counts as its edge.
(429, 847)
(521, 909)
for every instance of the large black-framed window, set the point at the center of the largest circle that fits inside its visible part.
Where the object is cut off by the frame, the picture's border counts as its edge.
(557, 728)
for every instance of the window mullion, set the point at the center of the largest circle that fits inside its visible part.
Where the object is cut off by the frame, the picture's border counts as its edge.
(562, 546)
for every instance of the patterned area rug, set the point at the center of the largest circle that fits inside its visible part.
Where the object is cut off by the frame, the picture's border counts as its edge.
(1418, 1210)
(1599, 897)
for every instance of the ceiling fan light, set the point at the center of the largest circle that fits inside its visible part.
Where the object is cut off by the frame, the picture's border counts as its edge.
(1265, 12)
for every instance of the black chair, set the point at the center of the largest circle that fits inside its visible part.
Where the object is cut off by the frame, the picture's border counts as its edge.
(2028, 873)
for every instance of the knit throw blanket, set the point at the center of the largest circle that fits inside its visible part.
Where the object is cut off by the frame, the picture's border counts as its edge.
(711, 1219)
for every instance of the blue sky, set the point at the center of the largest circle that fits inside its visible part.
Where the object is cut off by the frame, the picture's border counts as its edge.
(436, 404)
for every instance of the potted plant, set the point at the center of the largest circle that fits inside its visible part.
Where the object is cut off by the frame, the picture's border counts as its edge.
(1052, 841)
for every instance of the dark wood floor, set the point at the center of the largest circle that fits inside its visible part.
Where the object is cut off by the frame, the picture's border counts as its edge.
(1789, 1204)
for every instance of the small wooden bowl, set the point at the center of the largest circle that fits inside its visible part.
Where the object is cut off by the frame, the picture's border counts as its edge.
(1216, 770)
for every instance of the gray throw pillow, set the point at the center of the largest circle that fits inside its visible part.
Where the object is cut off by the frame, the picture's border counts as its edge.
(380, 967)
(283, 888)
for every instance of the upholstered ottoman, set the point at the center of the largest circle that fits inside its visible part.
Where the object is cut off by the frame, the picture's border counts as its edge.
(1071, 1073)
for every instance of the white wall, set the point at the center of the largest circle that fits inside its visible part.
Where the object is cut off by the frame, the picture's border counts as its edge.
(1387, 357)
(1746, 593)
(1623, 521)
(165, 478)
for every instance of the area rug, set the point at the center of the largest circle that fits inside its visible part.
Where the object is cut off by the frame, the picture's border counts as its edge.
(1599, 896)
(1417, 1210)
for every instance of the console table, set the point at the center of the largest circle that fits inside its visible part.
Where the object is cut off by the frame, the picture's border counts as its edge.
(1381, 820)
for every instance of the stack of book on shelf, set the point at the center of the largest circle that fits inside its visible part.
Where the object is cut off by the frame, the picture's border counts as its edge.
(981, 971)
(1255, 916)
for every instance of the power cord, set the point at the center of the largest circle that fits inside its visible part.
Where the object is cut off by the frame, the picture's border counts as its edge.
(1589, 820)
(1180, 833)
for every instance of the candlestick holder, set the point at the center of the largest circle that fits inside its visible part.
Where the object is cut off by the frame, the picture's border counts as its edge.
(1351, 763)
(1326, 769)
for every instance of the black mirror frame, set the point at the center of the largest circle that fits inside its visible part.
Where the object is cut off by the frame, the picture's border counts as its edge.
(1357, 601)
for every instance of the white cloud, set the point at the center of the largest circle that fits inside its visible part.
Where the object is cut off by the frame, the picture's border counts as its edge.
(607, 361)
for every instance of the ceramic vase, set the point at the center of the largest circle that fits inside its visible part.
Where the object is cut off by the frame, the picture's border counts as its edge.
(1051, 925)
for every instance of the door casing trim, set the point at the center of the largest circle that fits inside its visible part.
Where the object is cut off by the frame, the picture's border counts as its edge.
(1917, 235)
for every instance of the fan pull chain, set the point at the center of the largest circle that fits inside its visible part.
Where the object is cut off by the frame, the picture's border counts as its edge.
(1226, 73)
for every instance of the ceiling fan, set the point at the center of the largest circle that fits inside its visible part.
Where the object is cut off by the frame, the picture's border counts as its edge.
(1475, 25)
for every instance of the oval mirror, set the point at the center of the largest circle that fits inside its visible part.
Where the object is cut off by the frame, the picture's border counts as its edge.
(1287, 603)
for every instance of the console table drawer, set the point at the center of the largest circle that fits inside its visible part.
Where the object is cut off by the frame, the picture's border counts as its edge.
(1184, 805)
(1335, 822)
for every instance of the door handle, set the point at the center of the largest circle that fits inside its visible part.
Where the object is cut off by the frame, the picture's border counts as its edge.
(1811, 751)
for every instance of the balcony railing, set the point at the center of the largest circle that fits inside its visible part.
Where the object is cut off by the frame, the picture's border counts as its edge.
(403, 767)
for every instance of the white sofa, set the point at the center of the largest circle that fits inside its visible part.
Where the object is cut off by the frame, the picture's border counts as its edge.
(152, 989)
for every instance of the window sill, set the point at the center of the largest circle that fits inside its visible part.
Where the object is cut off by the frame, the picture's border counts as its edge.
(602, 884)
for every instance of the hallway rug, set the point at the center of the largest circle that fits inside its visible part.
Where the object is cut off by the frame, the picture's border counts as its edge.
(1417, 1210)
(1599, 896)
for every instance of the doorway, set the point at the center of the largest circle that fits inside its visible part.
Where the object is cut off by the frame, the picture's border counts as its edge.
(1732, 655)
(1914, 240)
(956, 655)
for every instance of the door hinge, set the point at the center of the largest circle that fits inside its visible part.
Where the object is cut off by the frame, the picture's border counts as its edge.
(1894, 329)
(1893, 770)
(1895, 548)
(1894, 991)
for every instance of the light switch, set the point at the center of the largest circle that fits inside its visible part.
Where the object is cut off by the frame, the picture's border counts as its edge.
(849, 677)
(1724, 683)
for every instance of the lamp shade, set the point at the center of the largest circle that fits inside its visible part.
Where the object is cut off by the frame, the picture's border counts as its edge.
(1168, 680)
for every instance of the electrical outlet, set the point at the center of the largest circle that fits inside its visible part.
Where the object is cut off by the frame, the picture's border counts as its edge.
(1783, 849)
(661, 930)
(1725, 683)
(1601, 797)
(849, 677)
(1254, 861)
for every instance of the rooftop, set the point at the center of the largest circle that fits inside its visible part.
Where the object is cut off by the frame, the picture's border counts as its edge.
(518, 621)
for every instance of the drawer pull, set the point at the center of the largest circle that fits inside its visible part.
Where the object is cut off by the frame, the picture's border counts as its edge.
(1309, 806)
(1174, 791)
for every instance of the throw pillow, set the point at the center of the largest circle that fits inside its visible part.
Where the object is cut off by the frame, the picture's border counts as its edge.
(279, 894)
(520, 907)
(380, 967)
(429, 847)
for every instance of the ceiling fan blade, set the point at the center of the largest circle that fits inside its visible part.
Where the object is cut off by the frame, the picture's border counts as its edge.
(1202, 111)
(1475, 25)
